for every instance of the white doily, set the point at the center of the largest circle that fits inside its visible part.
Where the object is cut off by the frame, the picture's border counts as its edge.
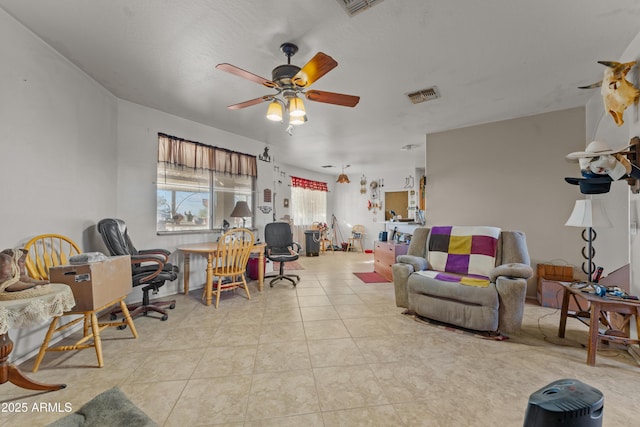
(34, 311)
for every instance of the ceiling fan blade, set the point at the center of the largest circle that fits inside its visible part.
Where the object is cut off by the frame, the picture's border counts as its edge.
(245, 74)
(317, 67)
(332, 98)
(250, 102)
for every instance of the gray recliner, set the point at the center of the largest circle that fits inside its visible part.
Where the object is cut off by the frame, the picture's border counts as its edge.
(497, 307)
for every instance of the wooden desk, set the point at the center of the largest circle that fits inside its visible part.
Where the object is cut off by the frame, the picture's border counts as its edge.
(599, 314)
(210, 250)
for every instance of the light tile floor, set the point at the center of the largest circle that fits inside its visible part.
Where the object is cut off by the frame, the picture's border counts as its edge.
(331, 352)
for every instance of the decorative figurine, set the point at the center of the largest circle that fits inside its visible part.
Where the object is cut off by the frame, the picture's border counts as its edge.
(618, 93)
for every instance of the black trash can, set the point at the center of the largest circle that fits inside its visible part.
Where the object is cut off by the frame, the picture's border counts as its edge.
(567, 403)
(312, 242)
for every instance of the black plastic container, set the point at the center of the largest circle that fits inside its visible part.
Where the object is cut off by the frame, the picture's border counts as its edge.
(567, 403)
(312, 242)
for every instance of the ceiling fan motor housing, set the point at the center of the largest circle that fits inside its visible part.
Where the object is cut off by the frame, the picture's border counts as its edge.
(283, 74)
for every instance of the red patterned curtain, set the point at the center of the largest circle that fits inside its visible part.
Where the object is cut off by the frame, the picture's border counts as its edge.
(309, 184)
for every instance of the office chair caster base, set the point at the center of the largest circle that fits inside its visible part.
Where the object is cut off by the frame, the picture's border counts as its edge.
(124, 326)
(289, 278)
(172, 306)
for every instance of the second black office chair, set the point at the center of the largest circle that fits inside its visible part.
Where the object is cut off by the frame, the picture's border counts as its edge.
(150, 268)
(281, 248)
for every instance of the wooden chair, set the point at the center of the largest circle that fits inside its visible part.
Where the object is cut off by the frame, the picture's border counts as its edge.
(52, 250)
(46, 251)
(230, 262)
(357, 234)
(325, 242)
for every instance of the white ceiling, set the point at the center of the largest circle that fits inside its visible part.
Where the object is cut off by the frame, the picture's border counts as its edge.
(491, 60)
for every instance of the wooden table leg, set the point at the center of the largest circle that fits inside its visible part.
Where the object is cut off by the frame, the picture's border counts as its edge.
(594, 320)
(260, 270)
(209, 283)
(563, 313)
(187, 264)
(11, 373)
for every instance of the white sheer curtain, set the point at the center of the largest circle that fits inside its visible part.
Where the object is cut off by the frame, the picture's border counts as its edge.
(307, 207)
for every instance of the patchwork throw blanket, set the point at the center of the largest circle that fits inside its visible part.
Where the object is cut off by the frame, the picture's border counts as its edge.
(467, 253)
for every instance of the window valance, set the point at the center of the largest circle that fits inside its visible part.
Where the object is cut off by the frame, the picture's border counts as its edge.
(308, 184)
(195, 155)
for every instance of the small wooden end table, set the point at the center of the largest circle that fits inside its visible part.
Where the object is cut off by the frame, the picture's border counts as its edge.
(24, 313)
(599, 310)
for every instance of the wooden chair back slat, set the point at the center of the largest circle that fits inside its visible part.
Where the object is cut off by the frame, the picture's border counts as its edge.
(46, 251)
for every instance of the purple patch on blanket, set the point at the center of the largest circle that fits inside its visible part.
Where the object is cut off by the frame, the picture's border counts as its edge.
(457, 263)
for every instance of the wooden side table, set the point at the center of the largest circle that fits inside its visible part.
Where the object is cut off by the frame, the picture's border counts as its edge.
(29, 312)
(599, 311)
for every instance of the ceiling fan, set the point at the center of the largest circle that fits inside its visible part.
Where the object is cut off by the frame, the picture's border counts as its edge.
(289, 81)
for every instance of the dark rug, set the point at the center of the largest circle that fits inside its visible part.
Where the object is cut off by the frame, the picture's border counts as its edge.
(493, 336)
(111, 408)
(371, 277)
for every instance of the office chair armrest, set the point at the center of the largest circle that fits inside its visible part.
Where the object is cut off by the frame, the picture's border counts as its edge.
(298, 246)
(139, 260)
(163, 253)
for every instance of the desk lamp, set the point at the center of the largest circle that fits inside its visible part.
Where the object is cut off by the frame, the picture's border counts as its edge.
(589, 213)
(241, 210)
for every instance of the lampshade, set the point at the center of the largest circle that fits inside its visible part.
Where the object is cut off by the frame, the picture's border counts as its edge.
(343, 178)
(296, 107)
(297, 120)
(274, 112)
(241, 210)
(588, 213)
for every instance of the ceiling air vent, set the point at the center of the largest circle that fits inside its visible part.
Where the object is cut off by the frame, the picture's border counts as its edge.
(424, 95)
(353, 7)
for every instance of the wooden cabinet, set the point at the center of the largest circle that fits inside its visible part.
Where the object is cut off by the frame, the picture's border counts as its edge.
(384, 256)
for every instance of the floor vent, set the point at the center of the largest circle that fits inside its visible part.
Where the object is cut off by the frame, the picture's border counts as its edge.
(424, 95)
(353, 7)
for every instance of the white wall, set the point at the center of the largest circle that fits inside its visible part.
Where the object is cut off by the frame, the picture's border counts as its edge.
(57, 134)
(351, 207)
(510, 174)
(632, 122)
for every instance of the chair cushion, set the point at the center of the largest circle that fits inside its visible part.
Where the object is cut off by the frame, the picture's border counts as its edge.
(468, 251)
(283, 257)
(470, 280)
(473, 295)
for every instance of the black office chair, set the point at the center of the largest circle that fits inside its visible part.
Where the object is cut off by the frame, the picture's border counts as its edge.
(150, 268)
(281, 248)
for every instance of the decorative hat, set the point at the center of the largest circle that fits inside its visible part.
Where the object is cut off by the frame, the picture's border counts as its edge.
(592, 184)
(594, 149)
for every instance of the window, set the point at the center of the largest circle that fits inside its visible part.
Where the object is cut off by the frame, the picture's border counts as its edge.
(308, 201)
(199, 185)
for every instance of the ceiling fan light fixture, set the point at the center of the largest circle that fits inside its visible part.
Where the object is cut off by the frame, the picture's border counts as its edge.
(296, 121)
(274, 112)
(296, 107)
(343, 179)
